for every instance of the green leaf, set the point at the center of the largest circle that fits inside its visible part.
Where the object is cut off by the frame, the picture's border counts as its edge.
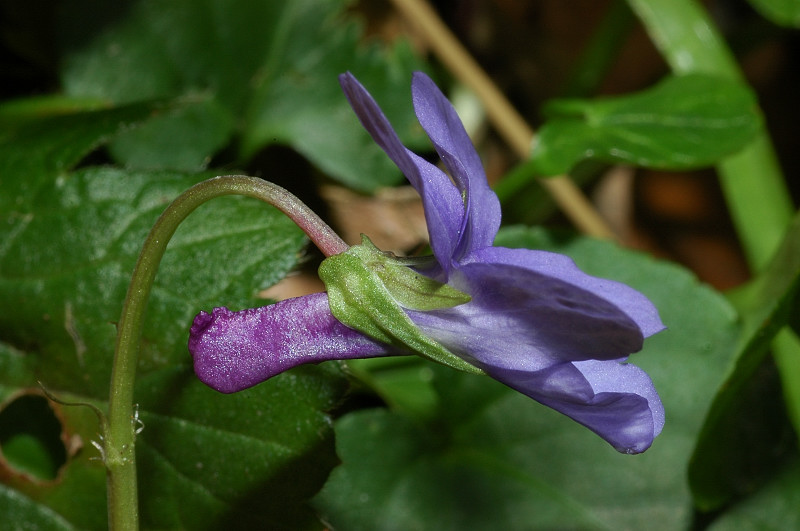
(33, 151)
(76, 498)
(732, 454)
(64, 268)
(182, 139)
(683, 122)
(272, 67)
(65, 263)
(305, 107)
(755, 189)
(16, 509)
(249, 460)
(492, 458)
(774, 507)
(404, 383)
(783, 12)
(68, 243)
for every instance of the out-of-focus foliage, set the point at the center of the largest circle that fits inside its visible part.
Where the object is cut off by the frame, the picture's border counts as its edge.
(683, 122)
(251, 73)
(143, 98)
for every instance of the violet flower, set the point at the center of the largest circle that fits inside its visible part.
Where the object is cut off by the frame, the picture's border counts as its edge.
(534, 321)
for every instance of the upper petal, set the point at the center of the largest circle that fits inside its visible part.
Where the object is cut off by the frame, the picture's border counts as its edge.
(440, 121)
(236, 350)
(444, 208)
(615, 400)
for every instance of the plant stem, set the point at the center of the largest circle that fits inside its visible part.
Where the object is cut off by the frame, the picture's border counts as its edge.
(120, 433)
(601, 51)
(511, 126)
(754, 187)
(751, 180)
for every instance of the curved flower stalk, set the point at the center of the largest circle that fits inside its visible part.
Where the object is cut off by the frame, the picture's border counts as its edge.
(530, 319)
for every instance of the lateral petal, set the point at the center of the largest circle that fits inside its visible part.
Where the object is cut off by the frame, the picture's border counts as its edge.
(532, 312)
(630, 301)
(442, 124)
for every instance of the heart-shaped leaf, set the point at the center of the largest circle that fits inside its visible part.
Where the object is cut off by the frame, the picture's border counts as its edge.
(68, 243)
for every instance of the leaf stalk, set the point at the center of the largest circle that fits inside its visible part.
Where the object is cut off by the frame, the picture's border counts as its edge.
(118, 446)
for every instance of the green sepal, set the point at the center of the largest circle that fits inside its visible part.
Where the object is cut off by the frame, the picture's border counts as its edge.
(411, 289)
(367, 290)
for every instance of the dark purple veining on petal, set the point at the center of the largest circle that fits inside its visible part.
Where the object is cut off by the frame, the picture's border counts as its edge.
(236, 350)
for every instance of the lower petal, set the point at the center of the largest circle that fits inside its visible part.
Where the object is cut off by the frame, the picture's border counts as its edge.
(615, 400)
(236, 350)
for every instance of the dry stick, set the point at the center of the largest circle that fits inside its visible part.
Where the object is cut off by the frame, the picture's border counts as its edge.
(503, 116)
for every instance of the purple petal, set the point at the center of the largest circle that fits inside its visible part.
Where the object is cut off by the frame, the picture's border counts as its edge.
(444, 208)
(543, 327)
(236, 350)
(531, 310)
(633, 303)
(440, 121)
(615, 400)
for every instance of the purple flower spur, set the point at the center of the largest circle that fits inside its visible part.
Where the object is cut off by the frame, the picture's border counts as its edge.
(530, 319)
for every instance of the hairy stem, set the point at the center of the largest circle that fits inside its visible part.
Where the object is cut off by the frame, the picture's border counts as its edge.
(118, 445)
